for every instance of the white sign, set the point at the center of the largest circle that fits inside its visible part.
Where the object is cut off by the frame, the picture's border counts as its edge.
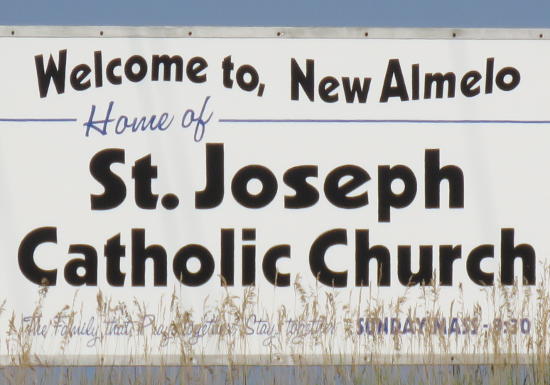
(212, 200)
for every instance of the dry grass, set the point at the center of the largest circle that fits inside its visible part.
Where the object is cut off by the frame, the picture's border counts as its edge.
(327, 351)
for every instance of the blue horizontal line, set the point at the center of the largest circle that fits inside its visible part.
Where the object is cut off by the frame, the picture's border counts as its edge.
(37, 120)
(440, 121)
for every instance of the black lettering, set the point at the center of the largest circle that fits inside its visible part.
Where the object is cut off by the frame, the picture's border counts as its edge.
(143, 173)
(317, 258)
(140, 254)
(509, 252)
(180, 265)
(400, 89)
(424, 274)
(356, 90)
(338, 193)
(434, 175)
(363, 254)
(167, 62)
(252, 83)
(212, 195)
(115, 189)
(489, 71)
(240, 183)
(129, 68)
(447, 255)
(194, 68)
(114, 79)
(98, 66)
(113, 251)
(269, 265)
(473, 265)
(52, 72)
(415, 81)
(306, 195)
(299, 79)
(25, 257)
(439, 80)
(78, 75)
(88, 264)
(248, 258)
(227, 257)
(467, 85)
(503, 74)
(386, 197)
(227, 66)
(326, 86)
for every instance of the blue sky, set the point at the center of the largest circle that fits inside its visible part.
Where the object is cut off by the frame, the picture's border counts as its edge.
(370, 13)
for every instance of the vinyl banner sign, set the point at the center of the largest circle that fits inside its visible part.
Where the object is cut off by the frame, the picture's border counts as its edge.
(273, 200)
